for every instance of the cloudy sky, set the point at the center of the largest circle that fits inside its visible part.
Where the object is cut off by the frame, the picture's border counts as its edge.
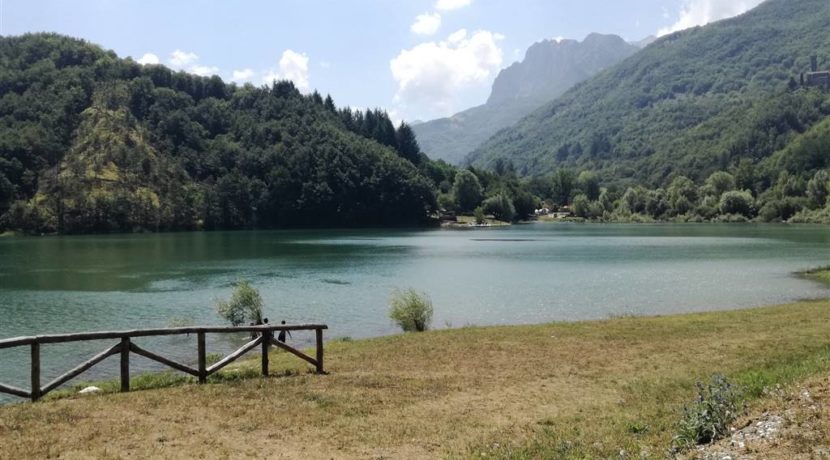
(418, 59)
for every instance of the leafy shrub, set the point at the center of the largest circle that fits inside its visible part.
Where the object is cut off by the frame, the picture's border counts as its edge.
(481, 219)
(581, 206)
(735, 202)
(707, 420)
(466, 190)
(412, 311)
(782, 209)
(245, 305)
(501, 207)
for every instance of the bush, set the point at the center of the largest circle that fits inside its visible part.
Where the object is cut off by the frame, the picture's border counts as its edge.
(782, 209)
(446, 202)
(708, 419)
(481, 219)
(245, 305)
(581, 206)
(501, 207)
(466, 190)
(412, 311)
(735, 202)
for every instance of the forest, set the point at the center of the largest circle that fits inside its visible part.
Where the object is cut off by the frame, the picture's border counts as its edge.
(93, 143)
(699, 101)
(90, 142)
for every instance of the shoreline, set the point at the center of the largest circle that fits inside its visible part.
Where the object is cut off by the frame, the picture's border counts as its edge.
(488, 390)
(10, 234)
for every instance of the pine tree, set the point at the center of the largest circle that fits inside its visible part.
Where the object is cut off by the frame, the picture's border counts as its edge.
(407, 144)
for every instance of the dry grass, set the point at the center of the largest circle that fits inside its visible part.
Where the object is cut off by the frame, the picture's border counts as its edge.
(583, 390)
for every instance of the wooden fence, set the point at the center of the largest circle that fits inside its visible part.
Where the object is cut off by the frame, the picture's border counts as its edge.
(264, 339)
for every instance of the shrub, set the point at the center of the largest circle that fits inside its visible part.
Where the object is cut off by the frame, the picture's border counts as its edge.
(466, 190)
(782, 209)
(735, 202)
(245, 305)
(481, 219)
(501, 207)
(581, 206)
(709, 417)
(446, 202)
(412, 311)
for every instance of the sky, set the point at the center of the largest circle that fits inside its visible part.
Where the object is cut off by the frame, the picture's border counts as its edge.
(417, 59)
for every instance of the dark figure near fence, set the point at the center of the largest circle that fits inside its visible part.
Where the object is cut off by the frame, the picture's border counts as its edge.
(281, 335)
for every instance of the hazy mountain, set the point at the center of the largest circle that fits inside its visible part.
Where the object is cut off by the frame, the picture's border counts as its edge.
(549, 69)
(690, 103)
(645, 42)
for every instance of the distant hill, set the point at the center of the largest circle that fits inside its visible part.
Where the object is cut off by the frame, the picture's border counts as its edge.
(90, 142)
(690, 103)
(549, 69)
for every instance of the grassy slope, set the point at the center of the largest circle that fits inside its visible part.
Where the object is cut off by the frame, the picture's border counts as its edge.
(557, 390)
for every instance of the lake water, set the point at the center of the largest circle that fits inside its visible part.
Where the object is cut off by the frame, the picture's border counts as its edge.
(522, 274)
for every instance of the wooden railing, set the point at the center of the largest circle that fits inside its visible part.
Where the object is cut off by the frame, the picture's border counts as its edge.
(264, 339)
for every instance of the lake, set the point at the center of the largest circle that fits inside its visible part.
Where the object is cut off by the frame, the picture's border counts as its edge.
(517, 275)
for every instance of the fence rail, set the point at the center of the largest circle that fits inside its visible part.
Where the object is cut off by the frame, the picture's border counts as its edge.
(264, 339)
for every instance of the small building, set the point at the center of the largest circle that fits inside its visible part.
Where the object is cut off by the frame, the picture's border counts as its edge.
(815, 77)
(821, 79)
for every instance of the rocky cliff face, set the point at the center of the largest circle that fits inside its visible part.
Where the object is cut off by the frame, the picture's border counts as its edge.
(549, 69)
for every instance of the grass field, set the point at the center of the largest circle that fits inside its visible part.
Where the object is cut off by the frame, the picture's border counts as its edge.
(607, 389)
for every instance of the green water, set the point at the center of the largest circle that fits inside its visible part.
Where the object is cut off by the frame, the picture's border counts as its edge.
(523, 274)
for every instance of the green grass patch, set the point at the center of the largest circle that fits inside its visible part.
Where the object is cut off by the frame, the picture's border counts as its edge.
(820, 274)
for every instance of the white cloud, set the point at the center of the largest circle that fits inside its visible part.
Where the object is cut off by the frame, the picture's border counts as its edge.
(189, 62)
(325, 64)
(180, 59)
(203, 70)
(701, 12)
(446, 5)
(432, 73)
(149, 59)
(426, 24)
(243, 76)
(292, 66)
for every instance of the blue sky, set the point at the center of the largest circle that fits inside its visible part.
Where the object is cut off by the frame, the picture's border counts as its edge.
(418, 59)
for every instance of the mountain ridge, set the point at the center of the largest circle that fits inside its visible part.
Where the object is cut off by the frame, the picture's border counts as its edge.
(690, 103)
(549, 68)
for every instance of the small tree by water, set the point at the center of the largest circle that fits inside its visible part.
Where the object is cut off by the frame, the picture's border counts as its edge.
(244, 306)
(411, 310)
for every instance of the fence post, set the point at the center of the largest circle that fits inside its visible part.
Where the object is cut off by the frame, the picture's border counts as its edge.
(266, 345)
(35, 371)
(200, 340)
(125, 364)
(319, 333)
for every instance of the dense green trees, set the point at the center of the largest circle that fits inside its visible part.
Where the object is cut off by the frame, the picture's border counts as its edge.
(467, 191)
(93, 143)
(707, 99)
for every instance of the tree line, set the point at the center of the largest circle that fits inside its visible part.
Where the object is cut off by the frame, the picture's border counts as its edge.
(90, 142)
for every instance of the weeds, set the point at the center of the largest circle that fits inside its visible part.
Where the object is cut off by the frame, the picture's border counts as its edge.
(708, 419)
(411, 310)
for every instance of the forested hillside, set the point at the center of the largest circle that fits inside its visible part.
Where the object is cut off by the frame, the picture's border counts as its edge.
(690, 104)
(90, 142)
(549, 69)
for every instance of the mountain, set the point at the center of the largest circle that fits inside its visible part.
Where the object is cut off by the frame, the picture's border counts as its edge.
(90, 142)
(549, 69)
(690, 103)
(645, 42)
